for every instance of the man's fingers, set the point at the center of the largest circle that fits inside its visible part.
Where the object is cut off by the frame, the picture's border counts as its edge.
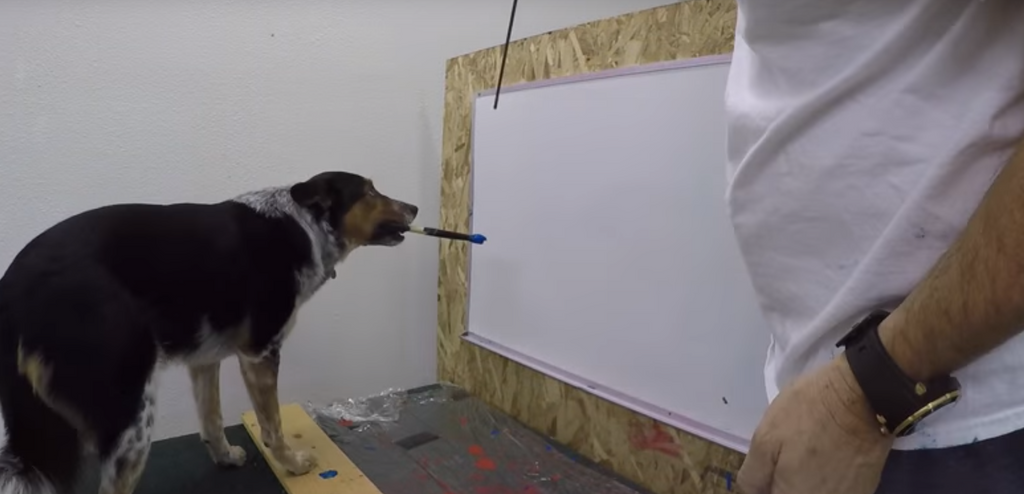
(755, 476)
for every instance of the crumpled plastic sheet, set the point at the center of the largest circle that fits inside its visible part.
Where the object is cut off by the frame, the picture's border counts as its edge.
(440, 440)
(381, 407)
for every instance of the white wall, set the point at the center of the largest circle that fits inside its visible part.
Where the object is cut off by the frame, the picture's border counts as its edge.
(187, 100)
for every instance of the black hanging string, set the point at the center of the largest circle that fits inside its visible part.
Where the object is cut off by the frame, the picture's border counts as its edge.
(504, 56)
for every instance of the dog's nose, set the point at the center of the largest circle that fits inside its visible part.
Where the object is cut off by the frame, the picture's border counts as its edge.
(413, 210)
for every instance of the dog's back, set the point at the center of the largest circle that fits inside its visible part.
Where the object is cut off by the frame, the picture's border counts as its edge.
(92, 305)
(89, 306)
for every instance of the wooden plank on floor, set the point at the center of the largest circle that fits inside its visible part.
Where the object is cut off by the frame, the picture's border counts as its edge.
(302, 433)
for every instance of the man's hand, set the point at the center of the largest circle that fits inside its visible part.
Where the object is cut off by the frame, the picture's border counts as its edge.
(818, 436)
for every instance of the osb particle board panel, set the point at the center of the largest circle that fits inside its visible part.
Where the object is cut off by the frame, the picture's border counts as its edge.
(660, 458)
(303, 434)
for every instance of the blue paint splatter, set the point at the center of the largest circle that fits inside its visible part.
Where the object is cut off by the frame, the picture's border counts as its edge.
(728, 481)
(328, 474)
(495, 432)
(547, 447)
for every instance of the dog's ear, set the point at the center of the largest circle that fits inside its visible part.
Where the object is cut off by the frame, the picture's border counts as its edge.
(329, 191)
(313, 193)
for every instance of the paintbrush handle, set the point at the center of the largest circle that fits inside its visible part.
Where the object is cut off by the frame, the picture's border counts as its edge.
(435, 232)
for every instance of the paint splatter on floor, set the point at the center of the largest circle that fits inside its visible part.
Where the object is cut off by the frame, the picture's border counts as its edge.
(478, 450)
(486, 464)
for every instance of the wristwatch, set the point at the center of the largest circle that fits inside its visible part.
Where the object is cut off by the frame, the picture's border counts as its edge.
(899, 402)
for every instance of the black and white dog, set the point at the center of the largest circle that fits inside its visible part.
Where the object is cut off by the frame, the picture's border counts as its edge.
(94, 306)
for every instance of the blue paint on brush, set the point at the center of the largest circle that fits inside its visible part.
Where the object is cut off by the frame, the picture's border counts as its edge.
(476, 238)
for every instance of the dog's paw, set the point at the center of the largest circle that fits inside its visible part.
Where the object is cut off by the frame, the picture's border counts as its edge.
(235, 457)
(300, 462)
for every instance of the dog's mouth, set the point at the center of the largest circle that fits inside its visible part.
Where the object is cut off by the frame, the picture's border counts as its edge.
(389, 233)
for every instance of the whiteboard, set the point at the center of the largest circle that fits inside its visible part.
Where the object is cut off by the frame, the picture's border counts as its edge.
(611, 262)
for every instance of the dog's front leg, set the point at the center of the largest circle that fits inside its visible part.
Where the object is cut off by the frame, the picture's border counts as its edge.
(260, 377)
(206, 391)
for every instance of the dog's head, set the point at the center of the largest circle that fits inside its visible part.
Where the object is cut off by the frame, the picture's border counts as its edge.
(355, 210)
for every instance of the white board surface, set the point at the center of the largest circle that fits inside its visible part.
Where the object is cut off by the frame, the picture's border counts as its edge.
(610, 261)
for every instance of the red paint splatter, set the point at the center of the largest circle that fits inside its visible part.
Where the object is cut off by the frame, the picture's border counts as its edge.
(556, 477)
(345, 423)
(476, 450)
(531, 489)
(654, 439)
(463, 421)
(486, 464)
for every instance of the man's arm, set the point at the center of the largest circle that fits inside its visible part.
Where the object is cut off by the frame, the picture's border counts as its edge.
(973, 299)
(969, 303)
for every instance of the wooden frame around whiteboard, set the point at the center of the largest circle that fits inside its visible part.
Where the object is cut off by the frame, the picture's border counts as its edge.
(660, 458)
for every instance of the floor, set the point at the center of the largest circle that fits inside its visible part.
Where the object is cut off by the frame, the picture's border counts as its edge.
(182, 466)
(433, 440)
(447, 442)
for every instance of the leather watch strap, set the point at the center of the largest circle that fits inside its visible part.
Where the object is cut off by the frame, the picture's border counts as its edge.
(893, 395)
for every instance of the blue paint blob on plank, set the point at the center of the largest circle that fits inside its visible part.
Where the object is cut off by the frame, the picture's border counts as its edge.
(328, 474)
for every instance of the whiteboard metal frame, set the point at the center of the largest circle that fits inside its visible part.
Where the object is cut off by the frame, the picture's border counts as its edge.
(642, 407)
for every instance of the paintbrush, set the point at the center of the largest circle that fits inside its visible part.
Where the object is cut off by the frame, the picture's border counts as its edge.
(475, 238)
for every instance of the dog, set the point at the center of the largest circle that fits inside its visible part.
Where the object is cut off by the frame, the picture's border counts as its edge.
(94, 306)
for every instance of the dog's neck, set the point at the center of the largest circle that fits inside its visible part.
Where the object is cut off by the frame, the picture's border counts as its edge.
(277, 202)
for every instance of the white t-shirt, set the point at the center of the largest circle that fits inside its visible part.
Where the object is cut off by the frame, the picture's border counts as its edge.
(862, 136)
